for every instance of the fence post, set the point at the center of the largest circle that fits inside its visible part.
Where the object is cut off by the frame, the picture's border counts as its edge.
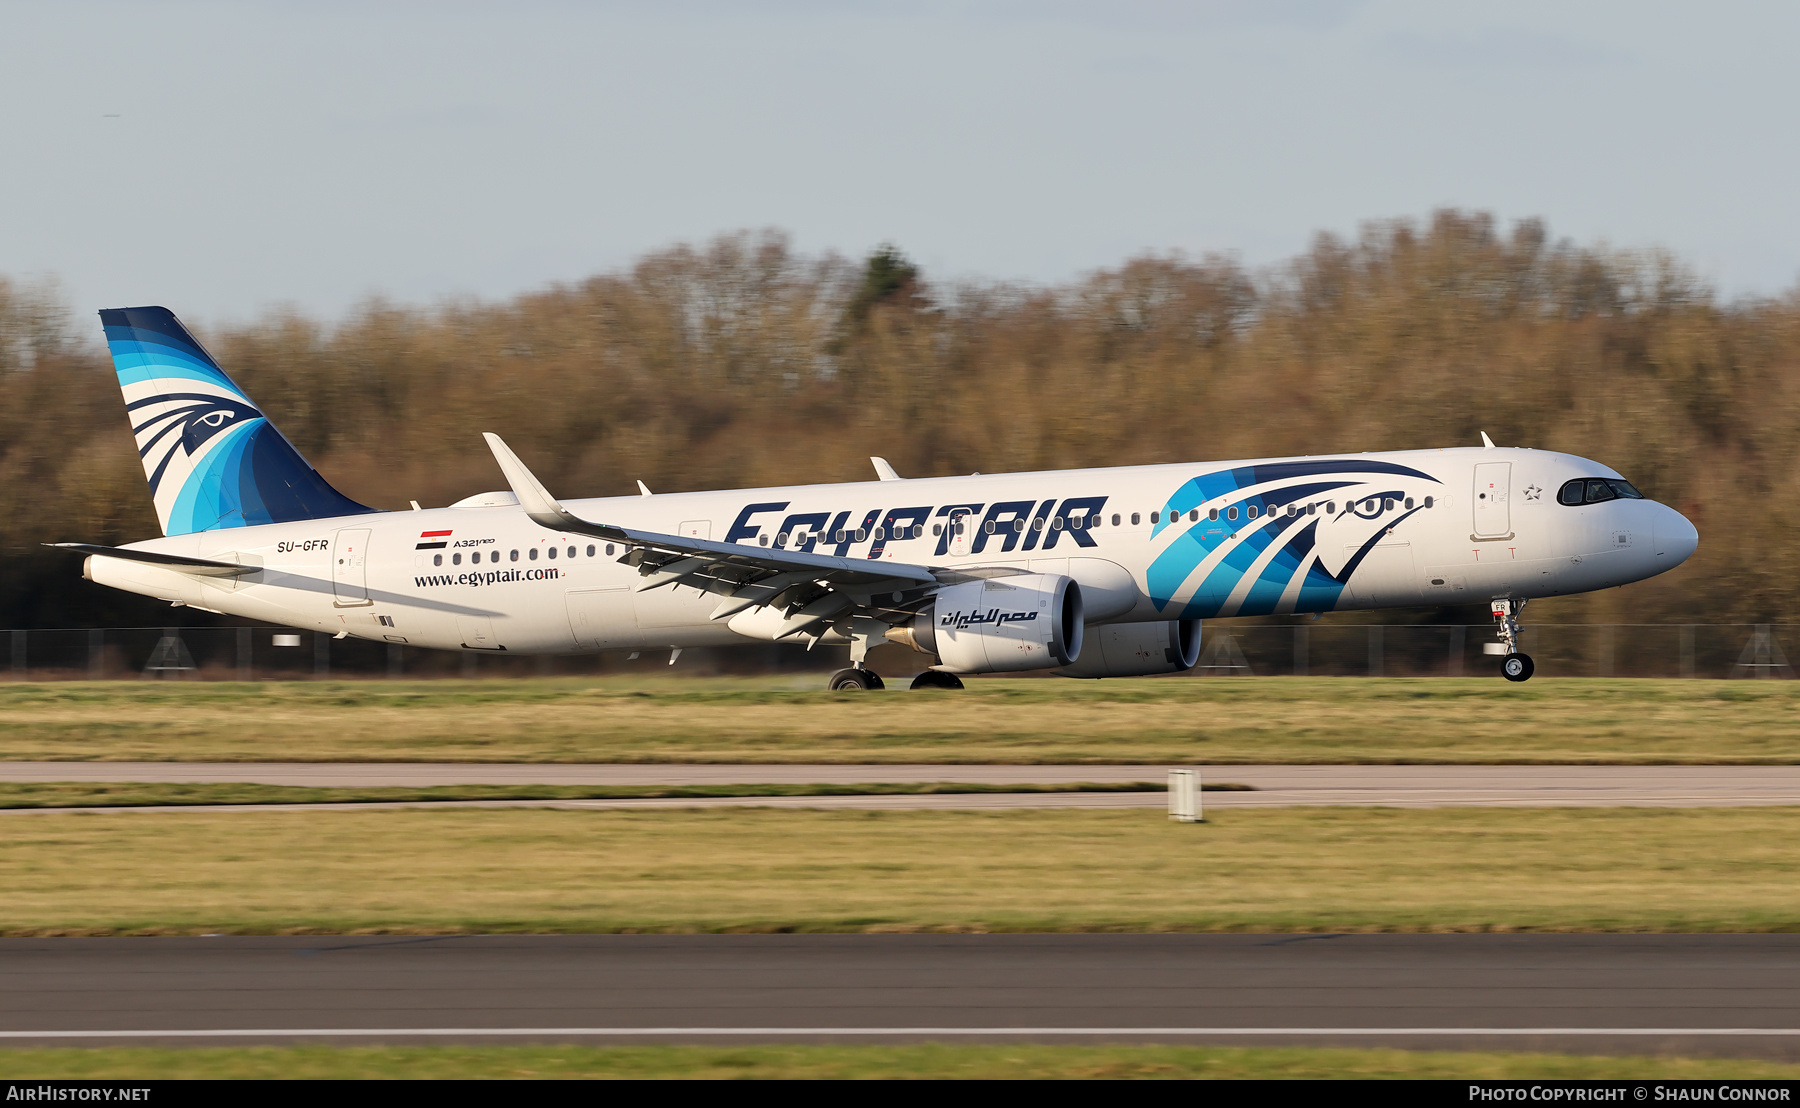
(96, 646)
(1375, 630)
(1458, 644)
(321, 654)
(243, 653)
(1604, 655)
(1301, 650)
(1687, 650)
(18, 655)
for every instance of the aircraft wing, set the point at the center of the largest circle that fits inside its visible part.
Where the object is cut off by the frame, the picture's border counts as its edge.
(200, 566)
(814, 590)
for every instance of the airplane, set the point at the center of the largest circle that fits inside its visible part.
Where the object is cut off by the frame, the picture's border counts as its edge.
(1087, 573)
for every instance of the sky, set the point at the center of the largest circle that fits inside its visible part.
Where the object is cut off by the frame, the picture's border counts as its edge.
(227, 158)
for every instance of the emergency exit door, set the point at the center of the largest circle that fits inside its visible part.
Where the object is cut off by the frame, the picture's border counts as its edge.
(1493, 488)
(350, 567)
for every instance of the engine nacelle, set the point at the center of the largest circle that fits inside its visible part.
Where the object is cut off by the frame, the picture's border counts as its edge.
(1138, 650)
(1002, 624)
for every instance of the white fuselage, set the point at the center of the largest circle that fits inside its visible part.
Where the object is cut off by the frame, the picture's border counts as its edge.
(1330, 533)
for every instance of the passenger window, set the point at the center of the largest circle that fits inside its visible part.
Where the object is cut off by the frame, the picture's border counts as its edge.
(572, 549)
(590, 550)
(1135, 519)
(1409, 503)
(1115, 519)
(1599, 490)
(1430, 500)
(1250, 511)
(609, 549)
(1155, 517)
(988, 527)
(437, 559)
(1331, 507)
(862, 534)
(1056, 524)
(1290, 511)
(551, 552)
(937, 529)
(1387, 505)
(1212, 514)
(456, 559)
(1019, 524)
(515, 555)
(1231, 512)
(531, 555)
(763, 539)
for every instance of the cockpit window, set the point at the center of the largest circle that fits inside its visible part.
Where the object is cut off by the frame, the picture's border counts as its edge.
(1594, 490)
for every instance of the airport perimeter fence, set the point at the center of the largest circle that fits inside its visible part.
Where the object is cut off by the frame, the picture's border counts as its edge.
(1707, 650)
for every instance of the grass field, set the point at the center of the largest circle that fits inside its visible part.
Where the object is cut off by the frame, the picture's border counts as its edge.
(924, 1060)
(731, 720)
(83, 794)
(540, 870)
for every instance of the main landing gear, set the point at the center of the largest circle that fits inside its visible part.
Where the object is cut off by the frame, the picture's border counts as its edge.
(864, 634)
(855, 679)
(1514, 666)
(936, 679)
(859, 679)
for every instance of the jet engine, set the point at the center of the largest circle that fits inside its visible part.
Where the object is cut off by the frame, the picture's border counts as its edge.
(1138, 650)
(1001, 624)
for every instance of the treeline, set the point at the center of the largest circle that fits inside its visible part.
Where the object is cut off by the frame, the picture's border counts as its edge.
(742, 362)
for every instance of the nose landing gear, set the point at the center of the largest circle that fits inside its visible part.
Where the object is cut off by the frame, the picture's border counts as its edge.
(1514, 666)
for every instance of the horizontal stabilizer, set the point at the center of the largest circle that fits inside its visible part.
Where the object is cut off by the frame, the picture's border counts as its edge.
(199, 566)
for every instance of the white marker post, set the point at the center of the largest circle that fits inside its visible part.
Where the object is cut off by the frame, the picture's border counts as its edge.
(1184, 796)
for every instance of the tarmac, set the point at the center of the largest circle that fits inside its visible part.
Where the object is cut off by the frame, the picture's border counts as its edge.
(1681, 994)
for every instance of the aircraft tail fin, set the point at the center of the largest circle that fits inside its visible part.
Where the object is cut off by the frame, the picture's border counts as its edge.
(212, 458)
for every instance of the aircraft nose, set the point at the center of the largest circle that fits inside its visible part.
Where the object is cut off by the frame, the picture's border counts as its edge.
(1676, 538)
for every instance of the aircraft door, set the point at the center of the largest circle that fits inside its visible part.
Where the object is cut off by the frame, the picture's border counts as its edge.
(350, 567)
(1493, 486)
(961, 530)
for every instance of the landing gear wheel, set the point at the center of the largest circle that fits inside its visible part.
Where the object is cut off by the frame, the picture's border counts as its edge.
(1517, 667)
(936, 679)
(855, 680)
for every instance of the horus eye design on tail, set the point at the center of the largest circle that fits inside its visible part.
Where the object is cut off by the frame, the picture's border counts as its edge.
(212, 459)
(185, 422)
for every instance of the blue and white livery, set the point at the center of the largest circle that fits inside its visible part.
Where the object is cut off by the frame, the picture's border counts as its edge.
(1086, 573)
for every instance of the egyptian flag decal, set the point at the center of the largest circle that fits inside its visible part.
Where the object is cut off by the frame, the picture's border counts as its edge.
(432, 540)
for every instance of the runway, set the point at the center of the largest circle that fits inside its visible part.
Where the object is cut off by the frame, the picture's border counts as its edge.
(1412, 786)
(1716, 994)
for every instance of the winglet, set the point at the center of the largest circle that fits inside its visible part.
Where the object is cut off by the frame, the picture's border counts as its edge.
(885, 471)
(643, 488)
(544, 509)
(1487, 442)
